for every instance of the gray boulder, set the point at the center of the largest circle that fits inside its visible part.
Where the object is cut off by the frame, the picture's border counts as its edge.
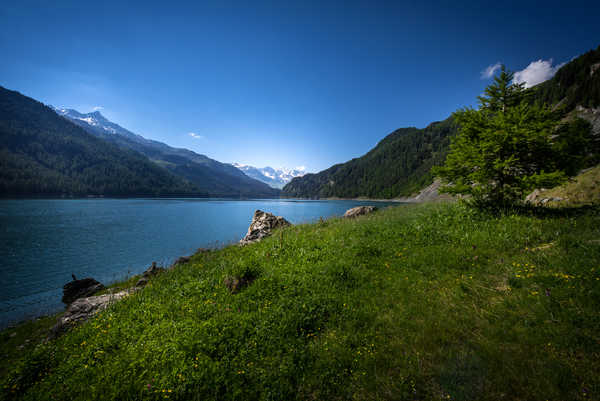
(262, 225)
(537, 198)
(79, 289)
(533, 197)
(359, 211)
(84, 308)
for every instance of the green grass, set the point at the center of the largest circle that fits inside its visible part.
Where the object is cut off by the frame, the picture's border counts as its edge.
(23, 338)
(584, 189)
(429, 302)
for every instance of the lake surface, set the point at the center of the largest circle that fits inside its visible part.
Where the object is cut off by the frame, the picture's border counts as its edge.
(44, 241)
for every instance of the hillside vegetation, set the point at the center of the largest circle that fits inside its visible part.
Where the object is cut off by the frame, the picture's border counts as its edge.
(44, 154)
(426, 302)
(400, 164)
(576, 84)
(210, 176)
(584, 189)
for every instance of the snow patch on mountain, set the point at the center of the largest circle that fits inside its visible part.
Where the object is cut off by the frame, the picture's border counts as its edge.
(275, 177)
(99, 124)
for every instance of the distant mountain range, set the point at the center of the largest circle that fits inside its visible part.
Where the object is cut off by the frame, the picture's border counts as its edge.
(42, 154)
(400, 164)
(275, 177)
(209, 176)
(57, 151)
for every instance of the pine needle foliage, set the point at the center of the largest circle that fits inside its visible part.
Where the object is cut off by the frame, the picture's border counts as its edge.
(510, 146)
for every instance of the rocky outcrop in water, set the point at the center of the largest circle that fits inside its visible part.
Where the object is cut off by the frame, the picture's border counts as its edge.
(359, 211)
(79, 289)
(262, 225)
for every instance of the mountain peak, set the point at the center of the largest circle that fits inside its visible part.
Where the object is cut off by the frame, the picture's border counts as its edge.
(97, 115)
(275, 177)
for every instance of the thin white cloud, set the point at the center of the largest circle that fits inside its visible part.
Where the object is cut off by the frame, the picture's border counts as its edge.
(490, 70)
(97, 108)
(536, 72)
(195, 136)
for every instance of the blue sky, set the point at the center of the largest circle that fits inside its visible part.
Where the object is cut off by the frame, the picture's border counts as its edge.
(280, 83)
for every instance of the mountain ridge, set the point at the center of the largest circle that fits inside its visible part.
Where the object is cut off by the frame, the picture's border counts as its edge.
(42, 154)
(274, 177)
(211, 176)
(399, 165)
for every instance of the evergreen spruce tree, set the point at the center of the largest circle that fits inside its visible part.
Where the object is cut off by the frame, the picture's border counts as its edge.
(509, 146)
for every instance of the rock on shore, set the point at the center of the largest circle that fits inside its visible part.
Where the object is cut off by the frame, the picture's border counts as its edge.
(359, 211)
(262, 225)
(76, 289)
(84, 308)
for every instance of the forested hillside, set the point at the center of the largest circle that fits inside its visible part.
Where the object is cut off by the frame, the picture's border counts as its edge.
(44, 154)
(400, 164)
(210, 176)
(575, 84)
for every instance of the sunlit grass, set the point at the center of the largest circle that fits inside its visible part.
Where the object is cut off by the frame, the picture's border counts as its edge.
(583, 189)
(413, 302)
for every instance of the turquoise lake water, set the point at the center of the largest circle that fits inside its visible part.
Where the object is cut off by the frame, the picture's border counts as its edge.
(44, 241)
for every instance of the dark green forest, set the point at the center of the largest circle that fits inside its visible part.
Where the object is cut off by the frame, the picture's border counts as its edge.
(210, 176)
(44, 154)
(400, 164)
(575, 84)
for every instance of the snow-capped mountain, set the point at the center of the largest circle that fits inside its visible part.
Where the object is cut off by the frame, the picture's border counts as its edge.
(211, 176)
(275, 177)
(96, 122)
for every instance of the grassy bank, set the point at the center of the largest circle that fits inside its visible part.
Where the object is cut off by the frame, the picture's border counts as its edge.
(584, 189)
(413, 302)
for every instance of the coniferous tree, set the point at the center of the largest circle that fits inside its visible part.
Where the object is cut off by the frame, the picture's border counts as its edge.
(509, 146)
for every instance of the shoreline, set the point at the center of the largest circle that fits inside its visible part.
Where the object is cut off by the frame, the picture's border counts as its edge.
(119, 284)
